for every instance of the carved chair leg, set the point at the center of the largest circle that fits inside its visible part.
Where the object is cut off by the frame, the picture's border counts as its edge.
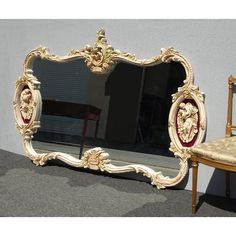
(194, 183)
(227, 184)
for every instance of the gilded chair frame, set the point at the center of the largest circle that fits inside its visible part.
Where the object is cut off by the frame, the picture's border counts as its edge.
(201, 158)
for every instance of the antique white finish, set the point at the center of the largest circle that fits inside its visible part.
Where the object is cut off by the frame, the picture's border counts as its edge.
(183, 117)
(197, 115)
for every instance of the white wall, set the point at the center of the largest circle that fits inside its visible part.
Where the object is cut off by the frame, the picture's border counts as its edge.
(209, 45)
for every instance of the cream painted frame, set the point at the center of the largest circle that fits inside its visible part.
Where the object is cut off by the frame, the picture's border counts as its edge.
(100, 58)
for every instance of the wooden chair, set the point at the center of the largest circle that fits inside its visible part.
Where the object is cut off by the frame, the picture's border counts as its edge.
(220, 154)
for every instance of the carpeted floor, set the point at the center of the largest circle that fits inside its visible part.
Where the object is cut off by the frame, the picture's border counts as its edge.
(60, 190)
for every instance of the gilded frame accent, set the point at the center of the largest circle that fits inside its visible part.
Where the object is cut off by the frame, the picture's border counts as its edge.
(100, 58)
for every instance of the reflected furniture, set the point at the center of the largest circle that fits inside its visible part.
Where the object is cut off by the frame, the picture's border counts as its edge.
(185, 120)
(74, 110)
(220, 153)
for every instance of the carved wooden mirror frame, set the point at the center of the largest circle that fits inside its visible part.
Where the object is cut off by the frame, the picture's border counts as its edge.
(187, 118)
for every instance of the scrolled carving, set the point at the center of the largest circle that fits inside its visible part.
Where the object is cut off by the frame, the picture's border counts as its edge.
(29, 129)
(187, 119)
(187, 91)
(95, 159)
(169, 54)
(183, 153)
(41, 161)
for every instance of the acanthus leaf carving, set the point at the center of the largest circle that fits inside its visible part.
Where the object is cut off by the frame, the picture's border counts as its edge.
(101, 57)
(187, 92)
(184, 154)
(169, 54)
(95, 159)
(28, 78)
(42, 160)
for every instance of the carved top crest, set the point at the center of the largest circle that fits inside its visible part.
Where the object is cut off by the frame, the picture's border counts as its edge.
(95, 159)
(100, 57)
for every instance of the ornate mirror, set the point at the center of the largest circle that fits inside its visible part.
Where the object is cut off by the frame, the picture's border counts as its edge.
(106, 110)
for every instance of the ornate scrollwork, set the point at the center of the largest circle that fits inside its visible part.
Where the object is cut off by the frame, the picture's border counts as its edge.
(42, 160)
(26, 105)
(169, 54)
(186, 91)
(95, 159)
(183, 153)
(100, 58)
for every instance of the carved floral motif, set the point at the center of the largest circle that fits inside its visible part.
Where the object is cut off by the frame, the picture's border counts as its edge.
(95, 159)
(187, 119)
(101, 56)
(186, 91)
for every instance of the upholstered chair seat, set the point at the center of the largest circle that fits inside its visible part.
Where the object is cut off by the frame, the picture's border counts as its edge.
(220, 150)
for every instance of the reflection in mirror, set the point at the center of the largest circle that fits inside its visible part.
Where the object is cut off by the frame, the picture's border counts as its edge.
(125, 111)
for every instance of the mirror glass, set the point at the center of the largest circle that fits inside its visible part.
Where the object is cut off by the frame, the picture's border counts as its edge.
(124, 111)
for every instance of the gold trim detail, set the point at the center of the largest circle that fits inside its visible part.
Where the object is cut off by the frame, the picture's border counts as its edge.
(101, 58)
